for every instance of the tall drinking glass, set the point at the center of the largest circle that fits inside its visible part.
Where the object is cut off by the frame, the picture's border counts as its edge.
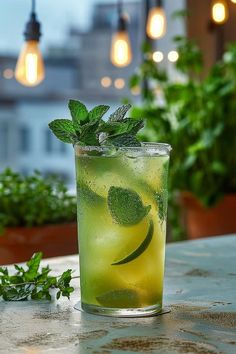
(122, 207)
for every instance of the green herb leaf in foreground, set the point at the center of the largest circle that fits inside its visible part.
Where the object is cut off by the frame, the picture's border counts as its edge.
(126, 206)
(64, 130)
(123, 140)
(140, 249)
(88, 128)
(78, 112)
(31, 283)
(98, 112)
(88, 135)
(120, 113)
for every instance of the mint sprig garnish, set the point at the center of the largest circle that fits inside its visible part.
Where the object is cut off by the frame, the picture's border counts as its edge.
(120, 113)
(64, 130)
(98, 112)
(126, 126)
(88, 134)
(123, 140)
(125, 206)
(87, 128)
(33, 283)
(78, 111)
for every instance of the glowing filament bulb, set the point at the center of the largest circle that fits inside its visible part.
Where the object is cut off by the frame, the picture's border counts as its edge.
(30, 67)
(156, 23)
(219, 11)
(121, 54)
(31, 62)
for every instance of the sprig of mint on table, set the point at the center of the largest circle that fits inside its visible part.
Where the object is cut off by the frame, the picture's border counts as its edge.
(33, 283)
(87, 128)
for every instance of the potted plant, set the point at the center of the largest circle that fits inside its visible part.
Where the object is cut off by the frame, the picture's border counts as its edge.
(197, 116)
(36, 213)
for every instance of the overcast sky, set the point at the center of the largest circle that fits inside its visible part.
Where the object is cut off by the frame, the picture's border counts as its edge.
(55, 16)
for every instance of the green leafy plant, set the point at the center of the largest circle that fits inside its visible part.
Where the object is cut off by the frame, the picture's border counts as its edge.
(34, 200)
(88, 128)
(197, 117)
(33, 283)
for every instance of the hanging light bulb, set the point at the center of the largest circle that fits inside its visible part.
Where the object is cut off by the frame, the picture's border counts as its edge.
(156, 22)
(219, 11)
(121, 53)
(30, 67)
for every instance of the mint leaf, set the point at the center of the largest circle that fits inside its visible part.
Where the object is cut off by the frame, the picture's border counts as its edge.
(79, 113)
(64, 130)
(120, 133)
(125, 206)
(87, 195)
(140, 249)
(126, 126)
(161, 196)
(119, 114)
(63, 283)
(119, 298)
(98, 112)
(133, 125)
(88, 135)
(123, 140)
(161, 200)
(33, 266)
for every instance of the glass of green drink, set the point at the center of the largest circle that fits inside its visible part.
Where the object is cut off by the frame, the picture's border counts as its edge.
(122, 207)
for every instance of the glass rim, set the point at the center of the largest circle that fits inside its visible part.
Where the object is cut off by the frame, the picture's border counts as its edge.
(161, 148)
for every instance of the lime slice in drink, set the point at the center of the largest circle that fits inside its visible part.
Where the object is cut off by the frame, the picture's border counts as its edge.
(140, 249)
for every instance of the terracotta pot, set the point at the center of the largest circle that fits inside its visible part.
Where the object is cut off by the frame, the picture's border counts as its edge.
(204, 222)
(18, 244)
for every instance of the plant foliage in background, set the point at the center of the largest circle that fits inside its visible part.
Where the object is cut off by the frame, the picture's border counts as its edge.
(197, 116)
(33, 283)
(34, 200)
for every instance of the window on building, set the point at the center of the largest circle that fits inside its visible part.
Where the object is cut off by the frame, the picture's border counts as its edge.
(53, 145)
(48, 141)
(4, 132)
(24, 139)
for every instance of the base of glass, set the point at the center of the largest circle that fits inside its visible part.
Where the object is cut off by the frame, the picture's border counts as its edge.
(117, 312)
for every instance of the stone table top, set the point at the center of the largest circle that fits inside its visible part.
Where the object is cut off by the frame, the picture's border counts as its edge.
(200, 289)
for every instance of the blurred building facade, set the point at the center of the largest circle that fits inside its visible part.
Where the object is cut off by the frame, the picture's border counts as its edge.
(80, 69)
(26, 142)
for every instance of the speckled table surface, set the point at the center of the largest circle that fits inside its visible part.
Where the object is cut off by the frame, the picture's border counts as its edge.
(200, 289)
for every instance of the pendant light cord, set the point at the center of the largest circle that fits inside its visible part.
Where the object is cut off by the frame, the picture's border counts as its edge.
(159, 3)
(33, 6)
(120, 7)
